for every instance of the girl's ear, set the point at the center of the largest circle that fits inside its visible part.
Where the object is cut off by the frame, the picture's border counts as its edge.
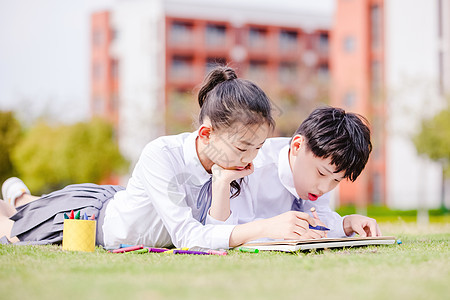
(204, 133)
(297, 143)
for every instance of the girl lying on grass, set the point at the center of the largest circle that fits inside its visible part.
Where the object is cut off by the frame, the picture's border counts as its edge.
(168, 197)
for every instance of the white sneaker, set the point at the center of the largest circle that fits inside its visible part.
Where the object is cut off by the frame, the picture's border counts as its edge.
(12, 189)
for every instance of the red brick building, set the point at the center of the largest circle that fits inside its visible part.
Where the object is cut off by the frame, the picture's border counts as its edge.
(300, 63)
(357, 55)
(275, 57)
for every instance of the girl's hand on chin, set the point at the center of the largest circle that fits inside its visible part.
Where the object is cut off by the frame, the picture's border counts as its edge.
(228, 175)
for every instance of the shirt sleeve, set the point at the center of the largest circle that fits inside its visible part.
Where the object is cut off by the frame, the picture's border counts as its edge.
(163, 180)
(330, 218)
(232, 220)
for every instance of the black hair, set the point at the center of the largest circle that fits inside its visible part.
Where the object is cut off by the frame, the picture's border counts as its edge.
(345, 137)
(226, 99)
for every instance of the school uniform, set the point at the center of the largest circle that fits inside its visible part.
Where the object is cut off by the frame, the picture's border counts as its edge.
(159, 206)
(41, 221)
(269, 191)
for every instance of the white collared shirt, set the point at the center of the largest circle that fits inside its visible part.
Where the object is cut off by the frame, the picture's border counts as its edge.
(269, 190)
(158, 207)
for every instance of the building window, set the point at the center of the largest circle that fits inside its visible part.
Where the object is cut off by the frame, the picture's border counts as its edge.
(114, 105)
(215, 35)
(288, 40)
(375, 24)
(257, 70)
(323, 73)
(181, 67)
(97, 37)
(98, 106)
(257, 37)
(349, 44)
(441, 73)
(376, 78)
(114, 34)
(181, 32)
(97, 71)
(114, 69)
(377, 189)
(377, 139)
(212, 62)
(288, 73)
(323, 43)
(349, 99)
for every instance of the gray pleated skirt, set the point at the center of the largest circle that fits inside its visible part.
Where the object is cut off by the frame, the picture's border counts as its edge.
(41, 221)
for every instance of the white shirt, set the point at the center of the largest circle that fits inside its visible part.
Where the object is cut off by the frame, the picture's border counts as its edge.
(158, 207)
(270, 191)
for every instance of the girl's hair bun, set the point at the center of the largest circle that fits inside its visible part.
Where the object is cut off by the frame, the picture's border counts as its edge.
(214, 78)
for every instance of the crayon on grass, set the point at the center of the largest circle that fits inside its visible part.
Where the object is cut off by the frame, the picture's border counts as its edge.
(189, 252)
(139, 251)
(248, 250)
(157, 250)
(210, 251)
(171, 250)
(126, 245)
(77, 216)
(217, 252)
(128, 249)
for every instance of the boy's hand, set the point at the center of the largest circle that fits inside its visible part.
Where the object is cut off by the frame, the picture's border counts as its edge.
(314, 234)
(317, 233)
(227, 176)
(362, 225)
(292, 225)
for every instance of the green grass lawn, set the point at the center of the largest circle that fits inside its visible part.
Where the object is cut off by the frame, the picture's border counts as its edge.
(419, 268)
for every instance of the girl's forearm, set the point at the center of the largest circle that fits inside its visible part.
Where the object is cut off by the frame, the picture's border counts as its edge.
(247, 232)
(220, 204)
(288, 225)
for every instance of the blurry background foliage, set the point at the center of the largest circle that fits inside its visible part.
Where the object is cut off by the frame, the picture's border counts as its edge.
(48, 157)
(10, 131)
(433, 139)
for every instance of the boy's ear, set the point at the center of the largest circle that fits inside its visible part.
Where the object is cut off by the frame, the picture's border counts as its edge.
(298, 141)
(204, 133)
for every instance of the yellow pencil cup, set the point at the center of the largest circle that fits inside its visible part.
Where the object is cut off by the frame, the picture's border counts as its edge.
(79, 235)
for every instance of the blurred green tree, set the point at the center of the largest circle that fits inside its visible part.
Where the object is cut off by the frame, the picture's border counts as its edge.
(434, 139)
(10, 131)
(50, 157)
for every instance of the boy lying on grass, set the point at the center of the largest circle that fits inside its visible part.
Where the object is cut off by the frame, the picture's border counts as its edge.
(292, 175)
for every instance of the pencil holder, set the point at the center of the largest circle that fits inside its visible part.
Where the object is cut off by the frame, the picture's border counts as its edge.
(79, 235)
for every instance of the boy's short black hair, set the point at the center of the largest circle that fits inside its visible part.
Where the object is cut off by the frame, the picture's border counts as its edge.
(345, 137)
